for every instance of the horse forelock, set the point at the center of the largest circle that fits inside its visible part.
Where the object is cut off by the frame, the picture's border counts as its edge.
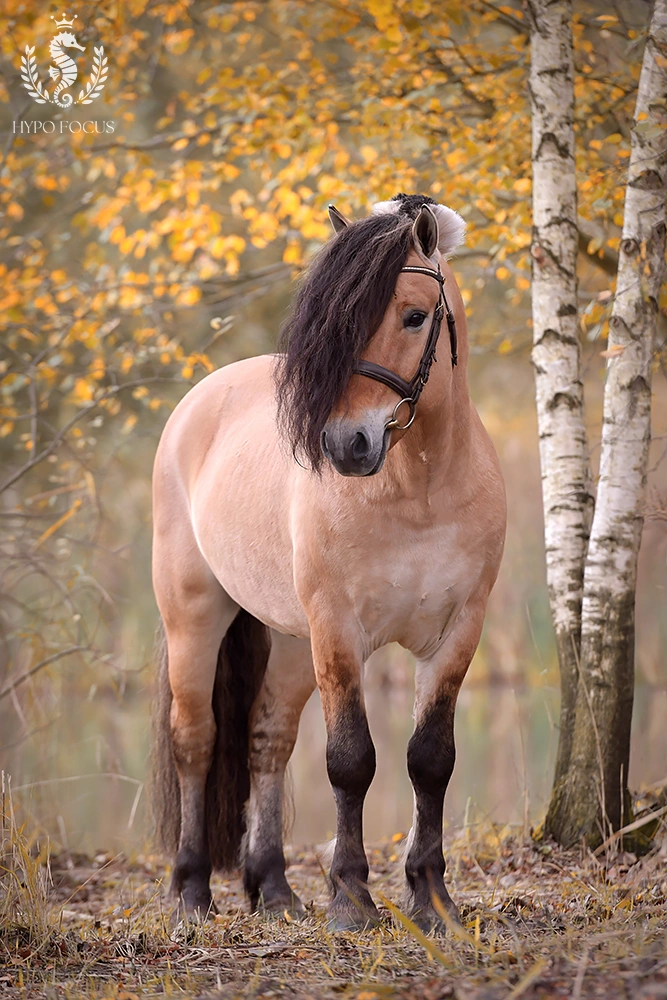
(337, 310)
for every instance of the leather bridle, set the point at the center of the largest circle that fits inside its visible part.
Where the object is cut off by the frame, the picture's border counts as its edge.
(412, 390)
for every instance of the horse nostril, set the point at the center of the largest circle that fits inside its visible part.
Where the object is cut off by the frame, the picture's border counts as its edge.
(323, 441)
(361, 445)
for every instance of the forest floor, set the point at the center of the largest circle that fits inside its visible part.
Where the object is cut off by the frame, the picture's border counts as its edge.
(537, 922)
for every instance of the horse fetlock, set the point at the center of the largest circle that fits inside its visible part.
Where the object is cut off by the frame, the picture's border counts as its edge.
(427, 872)
(429, 904)
(348, 868)
(190, 867)
(190, 884)
(265, 883)
(424, 860)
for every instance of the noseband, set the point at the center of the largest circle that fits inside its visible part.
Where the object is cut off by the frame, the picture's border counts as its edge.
(412, 390)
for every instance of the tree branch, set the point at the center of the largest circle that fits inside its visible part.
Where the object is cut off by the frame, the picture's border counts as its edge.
(22, 678)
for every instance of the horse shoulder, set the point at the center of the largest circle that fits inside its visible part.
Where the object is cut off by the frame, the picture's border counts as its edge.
(207, 413)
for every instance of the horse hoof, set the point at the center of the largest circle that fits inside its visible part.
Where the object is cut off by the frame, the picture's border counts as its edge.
(193, 906)
(428, 919)
(350, 916)
(279, 906)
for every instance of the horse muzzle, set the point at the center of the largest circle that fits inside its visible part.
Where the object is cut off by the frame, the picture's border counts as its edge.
(356, 450)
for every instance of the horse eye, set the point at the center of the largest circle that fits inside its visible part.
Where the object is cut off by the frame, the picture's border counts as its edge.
(414, 320)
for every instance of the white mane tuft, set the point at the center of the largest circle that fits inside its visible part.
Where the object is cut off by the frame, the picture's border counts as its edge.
(451, 227)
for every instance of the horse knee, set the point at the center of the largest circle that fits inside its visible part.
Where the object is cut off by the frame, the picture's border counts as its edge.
(350, 751)
(431, 751)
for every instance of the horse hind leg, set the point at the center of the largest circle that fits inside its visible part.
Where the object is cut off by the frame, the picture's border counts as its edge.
(199, 808)
(186, 742)
(274, 721)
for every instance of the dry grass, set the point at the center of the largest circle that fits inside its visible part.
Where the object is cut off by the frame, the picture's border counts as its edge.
(538, 922)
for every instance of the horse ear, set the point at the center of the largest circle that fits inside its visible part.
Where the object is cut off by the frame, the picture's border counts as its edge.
(451, 229)
(425, 231)
(338, 221)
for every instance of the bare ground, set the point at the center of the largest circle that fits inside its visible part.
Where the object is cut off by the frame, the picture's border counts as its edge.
(538, 922)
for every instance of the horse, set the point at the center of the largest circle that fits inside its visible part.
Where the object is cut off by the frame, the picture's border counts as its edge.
(310, 507)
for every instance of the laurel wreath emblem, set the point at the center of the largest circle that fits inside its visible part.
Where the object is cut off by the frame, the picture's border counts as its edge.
(30, 78)
(36, 89)
(97, 78)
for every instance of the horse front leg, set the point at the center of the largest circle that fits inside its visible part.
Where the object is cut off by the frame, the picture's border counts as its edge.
(431, 756)
(350, 759)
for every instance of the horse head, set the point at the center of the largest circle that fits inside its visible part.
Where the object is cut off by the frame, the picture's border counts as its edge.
(361, 338)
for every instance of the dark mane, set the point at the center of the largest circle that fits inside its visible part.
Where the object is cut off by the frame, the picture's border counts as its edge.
(410, 204)
(337, 309)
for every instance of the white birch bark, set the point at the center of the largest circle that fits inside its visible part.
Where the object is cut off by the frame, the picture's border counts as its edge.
(596, 784)
(566, 487)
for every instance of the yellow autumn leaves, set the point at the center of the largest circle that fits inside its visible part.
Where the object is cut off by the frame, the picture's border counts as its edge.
(275, 110)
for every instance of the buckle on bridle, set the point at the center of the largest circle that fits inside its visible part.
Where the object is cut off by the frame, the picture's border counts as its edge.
(393, 424)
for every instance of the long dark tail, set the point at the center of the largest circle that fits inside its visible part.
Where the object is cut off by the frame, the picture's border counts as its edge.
(242, 660)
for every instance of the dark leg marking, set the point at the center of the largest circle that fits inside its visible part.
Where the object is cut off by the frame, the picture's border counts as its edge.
(274, 725)
(351, 767)
(431, 756)
(192, 869)
(190, 883)
(266, 885)
(264, 877)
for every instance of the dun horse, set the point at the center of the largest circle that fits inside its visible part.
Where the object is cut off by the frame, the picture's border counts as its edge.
(310, 507)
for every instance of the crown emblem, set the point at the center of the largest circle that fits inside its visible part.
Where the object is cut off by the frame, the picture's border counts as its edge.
(64, 23)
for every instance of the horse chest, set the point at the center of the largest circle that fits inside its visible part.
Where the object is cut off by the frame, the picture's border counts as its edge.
(406, 588)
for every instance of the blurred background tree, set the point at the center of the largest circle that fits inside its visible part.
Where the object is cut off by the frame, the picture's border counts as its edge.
(133, 261)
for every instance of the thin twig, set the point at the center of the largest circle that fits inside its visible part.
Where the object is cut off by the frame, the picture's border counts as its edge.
(579, 978)
(636, 825)
(76, 777)
(51, 447)
(40, 666)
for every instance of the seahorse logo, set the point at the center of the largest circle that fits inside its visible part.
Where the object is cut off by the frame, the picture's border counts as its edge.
(63, 70)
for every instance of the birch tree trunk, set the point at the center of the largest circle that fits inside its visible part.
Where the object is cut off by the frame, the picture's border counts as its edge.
(566, 486)
(592, 799)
